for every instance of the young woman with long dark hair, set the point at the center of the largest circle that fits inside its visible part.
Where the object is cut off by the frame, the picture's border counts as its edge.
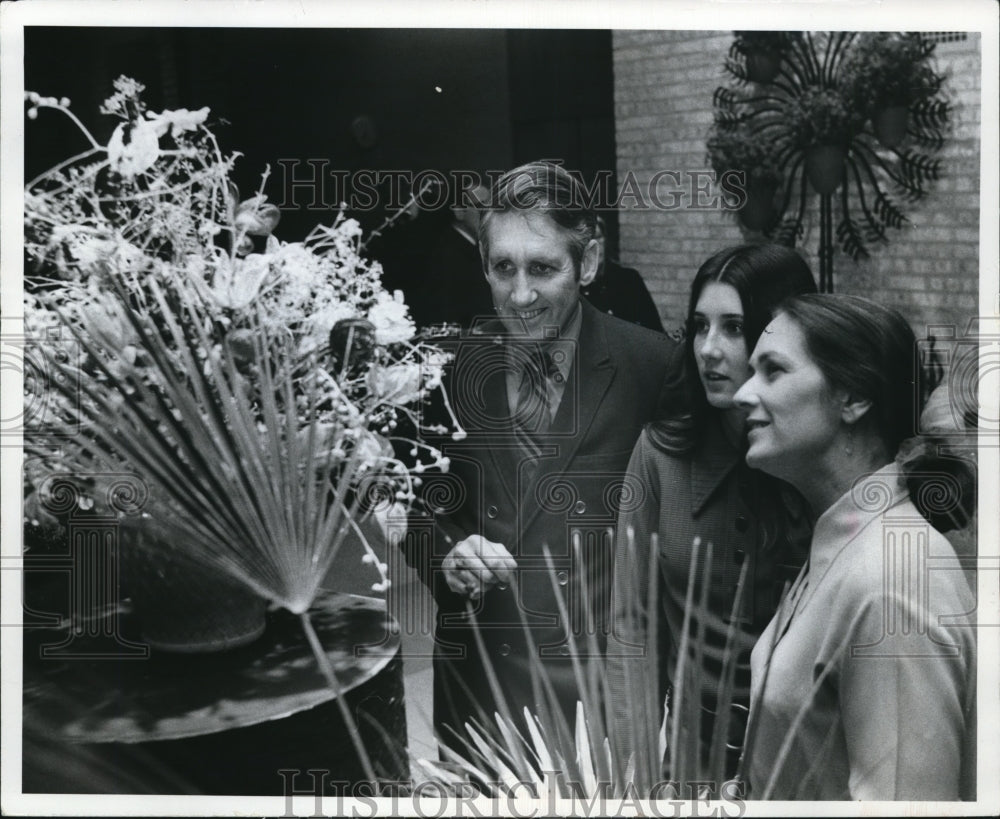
(687, 480)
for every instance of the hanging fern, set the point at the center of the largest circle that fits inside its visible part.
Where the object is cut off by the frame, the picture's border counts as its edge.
(726, 98)
(737, 70)
(918, 169)
(887, 211)
(874, 232)
(932, 113)
(851, 242)
(788, 232)
(928, 138)
(726, 120)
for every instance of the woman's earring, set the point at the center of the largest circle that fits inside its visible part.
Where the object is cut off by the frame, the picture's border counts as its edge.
(849, 446)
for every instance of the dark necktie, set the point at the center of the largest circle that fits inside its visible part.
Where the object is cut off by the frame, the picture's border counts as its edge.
(532, 410)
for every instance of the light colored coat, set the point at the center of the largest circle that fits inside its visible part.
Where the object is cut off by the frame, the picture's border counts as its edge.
(871, 668)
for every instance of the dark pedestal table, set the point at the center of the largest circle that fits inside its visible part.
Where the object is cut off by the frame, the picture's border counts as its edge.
(222, 724)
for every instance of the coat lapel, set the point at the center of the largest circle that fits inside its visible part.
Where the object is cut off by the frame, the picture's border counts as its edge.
(590, 378)
(504, 454)
(716, 459)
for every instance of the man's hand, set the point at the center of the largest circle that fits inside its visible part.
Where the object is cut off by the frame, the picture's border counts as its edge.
(476, 564)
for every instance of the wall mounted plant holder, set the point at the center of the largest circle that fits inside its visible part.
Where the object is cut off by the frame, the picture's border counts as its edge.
(853, 117)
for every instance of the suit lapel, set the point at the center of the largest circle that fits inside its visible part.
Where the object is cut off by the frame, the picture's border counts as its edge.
(590, 378)
(503, 451)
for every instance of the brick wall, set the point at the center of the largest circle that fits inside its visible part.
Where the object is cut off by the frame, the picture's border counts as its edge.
(664, 80)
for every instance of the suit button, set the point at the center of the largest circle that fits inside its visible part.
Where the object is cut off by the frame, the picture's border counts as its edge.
(564, 650)
(492, 512)
(742, 524)
(504, 649)
(580, 507)
(562, 577)
(502, 586)
(738, 556)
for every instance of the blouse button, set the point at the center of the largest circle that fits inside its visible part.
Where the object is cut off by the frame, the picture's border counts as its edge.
(564, 650)
(504, 649)
(739, 556)
(580, 507)
(492, 512)
(562, 577)
(742, 523)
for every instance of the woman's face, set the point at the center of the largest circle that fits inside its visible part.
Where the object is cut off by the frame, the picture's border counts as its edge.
(793, 415)
(720, 348)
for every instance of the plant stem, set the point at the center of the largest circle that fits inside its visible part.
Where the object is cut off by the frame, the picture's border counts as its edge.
(56, 168)
(324, 664)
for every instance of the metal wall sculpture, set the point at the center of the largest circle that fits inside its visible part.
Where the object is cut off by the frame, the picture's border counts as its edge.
(854, 117)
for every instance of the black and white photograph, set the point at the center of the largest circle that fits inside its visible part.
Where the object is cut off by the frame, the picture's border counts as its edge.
(500, 408)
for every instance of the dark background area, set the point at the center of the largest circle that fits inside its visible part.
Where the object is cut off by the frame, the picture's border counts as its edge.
(507, 97)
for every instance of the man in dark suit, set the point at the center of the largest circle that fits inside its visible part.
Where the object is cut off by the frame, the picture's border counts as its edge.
(552, 397)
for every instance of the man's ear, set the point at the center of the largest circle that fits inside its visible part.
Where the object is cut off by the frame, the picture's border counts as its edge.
(853, 408)
(588, 264)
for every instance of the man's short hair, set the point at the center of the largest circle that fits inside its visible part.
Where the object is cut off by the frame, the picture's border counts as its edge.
(549, 188)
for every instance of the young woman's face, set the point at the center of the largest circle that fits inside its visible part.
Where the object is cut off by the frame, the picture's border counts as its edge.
(793, 415)
(720, 348)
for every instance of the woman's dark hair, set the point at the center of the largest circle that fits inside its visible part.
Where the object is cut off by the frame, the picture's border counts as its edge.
(868, 350)
(871, 352)
(763, 276)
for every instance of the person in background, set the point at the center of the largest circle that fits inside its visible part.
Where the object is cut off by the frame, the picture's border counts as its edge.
(402, 244)
(947, 444)
(620, 291)
(864, 683)
(453, 289)
(689, 465)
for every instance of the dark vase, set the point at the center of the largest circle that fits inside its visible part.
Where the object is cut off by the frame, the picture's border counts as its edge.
(825, 167)
(252, 721)
(890, 124)
(762, 66)
(185, 607)
(758, 212)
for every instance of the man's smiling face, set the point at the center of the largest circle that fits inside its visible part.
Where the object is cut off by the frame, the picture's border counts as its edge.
(530, 270)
